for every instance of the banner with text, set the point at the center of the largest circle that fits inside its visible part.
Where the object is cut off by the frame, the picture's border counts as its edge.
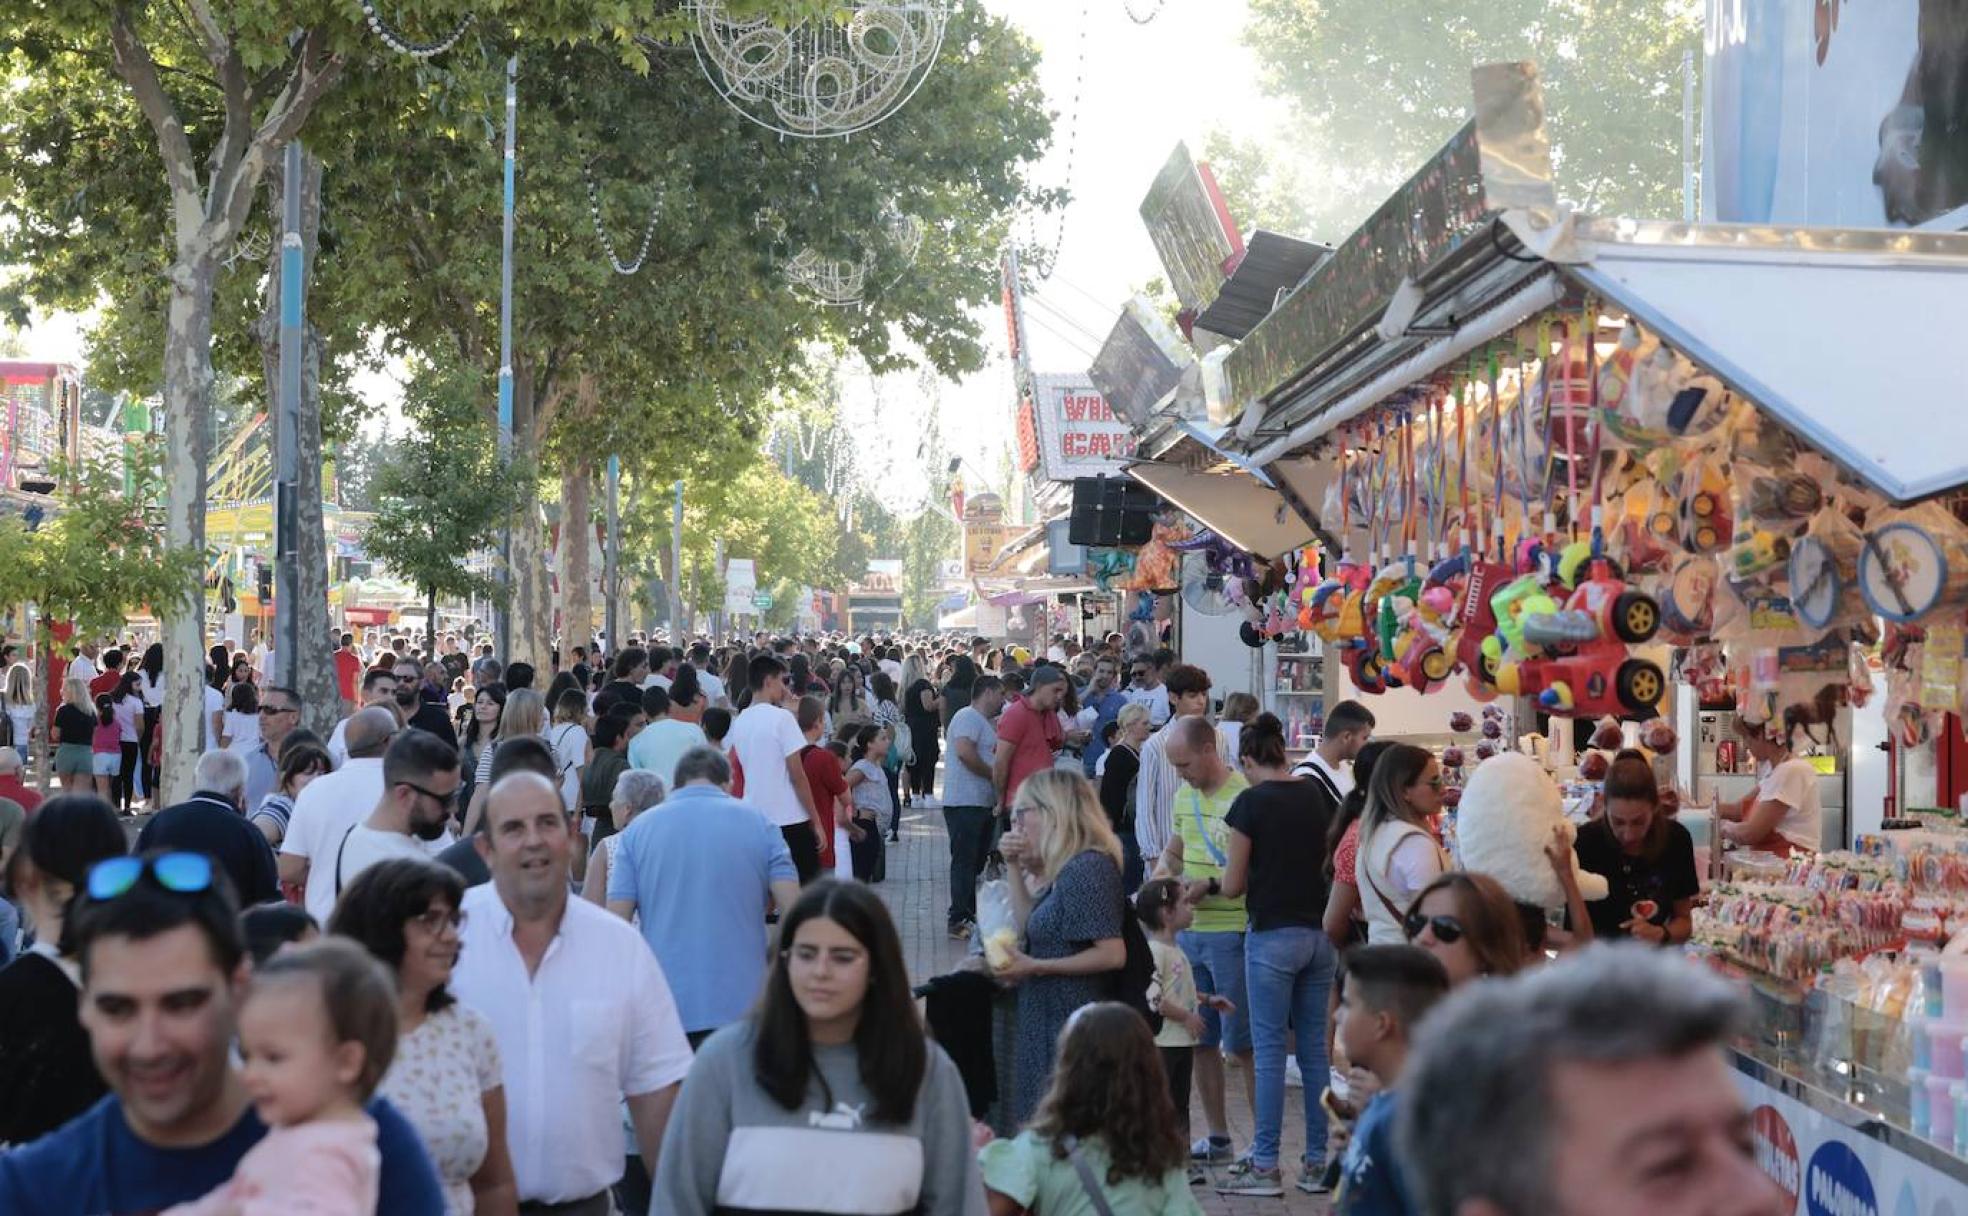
(1079, 434)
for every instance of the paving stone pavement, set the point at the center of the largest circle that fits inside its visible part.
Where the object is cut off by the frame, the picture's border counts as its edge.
(917, 890)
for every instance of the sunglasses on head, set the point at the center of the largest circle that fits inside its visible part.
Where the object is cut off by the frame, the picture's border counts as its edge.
(182, 873)
(1447, 929)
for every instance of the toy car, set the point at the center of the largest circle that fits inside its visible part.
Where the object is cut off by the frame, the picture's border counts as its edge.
(1475, 620)
(1600, 679)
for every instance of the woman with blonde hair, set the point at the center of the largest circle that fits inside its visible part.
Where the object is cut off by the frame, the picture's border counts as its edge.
(525, 714)
(18, 697)
(72, 732)
(1061, 845)
(1399, 854)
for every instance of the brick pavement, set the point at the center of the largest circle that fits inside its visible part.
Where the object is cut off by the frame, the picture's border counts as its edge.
(917, 891)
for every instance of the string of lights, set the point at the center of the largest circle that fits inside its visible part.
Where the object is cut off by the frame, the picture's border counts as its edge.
(608, 242)
(403, 45)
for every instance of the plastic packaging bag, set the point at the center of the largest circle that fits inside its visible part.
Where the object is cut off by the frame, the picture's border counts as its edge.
(997, 926)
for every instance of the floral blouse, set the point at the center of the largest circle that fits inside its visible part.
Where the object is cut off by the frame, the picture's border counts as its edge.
(438, 1080)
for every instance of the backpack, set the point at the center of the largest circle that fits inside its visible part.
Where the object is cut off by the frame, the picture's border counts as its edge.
(1134, 984)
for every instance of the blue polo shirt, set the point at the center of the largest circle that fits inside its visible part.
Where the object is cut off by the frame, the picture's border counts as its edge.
(1110, 707)
(699, 867)
(95, 1164)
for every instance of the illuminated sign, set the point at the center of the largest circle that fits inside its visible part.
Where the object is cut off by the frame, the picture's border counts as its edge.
(1079, 435)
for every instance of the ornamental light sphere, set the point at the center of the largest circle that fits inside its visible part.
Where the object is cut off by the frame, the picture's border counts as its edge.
(821, 78)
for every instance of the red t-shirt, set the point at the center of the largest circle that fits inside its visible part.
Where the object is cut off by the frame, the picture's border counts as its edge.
(1034, 738)
(348, 672)
(824, 777)
(105, 684)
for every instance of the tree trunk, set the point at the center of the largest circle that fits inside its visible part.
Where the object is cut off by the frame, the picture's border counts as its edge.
(576, 571)
(532, 601)
(187, 446)
(312, 666)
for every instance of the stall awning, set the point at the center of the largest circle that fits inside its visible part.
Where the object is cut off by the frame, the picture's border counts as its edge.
(1850, 338)
(1245, 509)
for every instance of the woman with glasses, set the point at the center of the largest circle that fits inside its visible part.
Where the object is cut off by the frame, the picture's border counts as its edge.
(829, 1097)
(1061, 840)
(47, 1075)
(445, 1076)
(1399, 854)
(1469, 922)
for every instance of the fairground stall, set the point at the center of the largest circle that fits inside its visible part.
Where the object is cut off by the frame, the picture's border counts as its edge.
(1585, 483)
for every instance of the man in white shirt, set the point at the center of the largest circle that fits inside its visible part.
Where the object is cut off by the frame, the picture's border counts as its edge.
(700, 658)
(584, 1017)
(378, 691)
(1145, 688)
(768, 741)
(420, 790)
(330, 805)
(1349, 727)
(83, 666)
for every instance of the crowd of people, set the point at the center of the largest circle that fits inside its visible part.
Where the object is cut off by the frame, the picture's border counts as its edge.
(610, 937)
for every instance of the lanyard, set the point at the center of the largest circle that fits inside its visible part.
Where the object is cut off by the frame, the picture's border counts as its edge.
(1217, 855)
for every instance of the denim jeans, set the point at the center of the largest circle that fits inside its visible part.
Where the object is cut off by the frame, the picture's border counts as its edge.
(1217, 961)
(971, 831)
(1290, 974)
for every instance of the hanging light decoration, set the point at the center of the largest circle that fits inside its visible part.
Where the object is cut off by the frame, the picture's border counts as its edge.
(826, 77)
(839, 283)
(402, 44)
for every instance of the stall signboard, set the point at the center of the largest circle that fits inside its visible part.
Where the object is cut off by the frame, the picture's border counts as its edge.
(1141, 362)
(1079, 435)
(1840, 115)
(740, 585)
(982, 544)
(1827, 1168)
(1190, 226)
(1500, 158)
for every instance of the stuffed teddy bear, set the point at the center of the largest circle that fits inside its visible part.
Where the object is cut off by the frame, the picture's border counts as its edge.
(1509, 806)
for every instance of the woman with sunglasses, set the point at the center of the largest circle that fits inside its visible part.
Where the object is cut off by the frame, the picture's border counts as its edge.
(47, 1075)
(1399, 854)
(445, 1076)
(1470, 923)
(829, 1097)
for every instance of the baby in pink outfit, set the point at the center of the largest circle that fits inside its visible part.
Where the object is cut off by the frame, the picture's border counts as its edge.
(316, 1032)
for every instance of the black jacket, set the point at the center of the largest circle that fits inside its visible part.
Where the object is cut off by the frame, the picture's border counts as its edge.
(211, 825)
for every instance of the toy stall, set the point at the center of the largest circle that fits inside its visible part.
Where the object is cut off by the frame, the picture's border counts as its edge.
(1583, 484)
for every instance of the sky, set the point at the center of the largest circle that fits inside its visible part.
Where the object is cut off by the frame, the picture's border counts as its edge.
(1176, 76)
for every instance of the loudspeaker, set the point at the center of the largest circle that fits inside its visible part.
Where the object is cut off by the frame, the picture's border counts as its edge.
(1110, 511)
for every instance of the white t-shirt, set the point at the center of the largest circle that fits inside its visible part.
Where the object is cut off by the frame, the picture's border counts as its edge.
(763, 736)
(1155, 700)
(710, 686)
(325, 810)
(82, 667)
(364, 847)
(661, 744)
(1340, 780)
(1795, 784)
(214, 705)
(243, 729)
(569, 741)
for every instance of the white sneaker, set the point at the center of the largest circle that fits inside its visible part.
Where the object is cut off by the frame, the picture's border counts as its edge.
(1293, 1079)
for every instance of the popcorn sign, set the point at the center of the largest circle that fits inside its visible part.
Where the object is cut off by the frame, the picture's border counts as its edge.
(1079, 433)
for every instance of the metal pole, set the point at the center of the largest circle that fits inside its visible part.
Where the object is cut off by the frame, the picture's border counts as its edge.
(676, 566)
(1688, 136)
(612, 572)
(287, 427)
(503, 628)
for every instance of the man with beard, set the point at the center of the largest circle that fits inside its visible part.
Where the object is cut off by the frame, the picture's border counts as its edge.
(213, 822)
(420, 790)
(163, 974)
(414, 702)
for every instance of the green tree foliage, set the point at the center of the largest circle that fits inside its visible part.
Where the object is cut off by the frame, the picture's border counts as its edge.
(1378, 87)
(440, 496)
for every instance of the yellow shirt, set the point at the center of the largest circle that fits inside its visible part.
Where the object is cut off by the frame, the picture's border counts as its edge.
(1206, 850)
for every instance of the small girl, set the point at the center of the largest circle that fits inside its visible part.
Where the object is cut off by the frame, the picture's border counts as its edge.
(1108, 1111)
(867, 784)
(106, 749)
(317, 1033)
(1165, 913)
(240, 731)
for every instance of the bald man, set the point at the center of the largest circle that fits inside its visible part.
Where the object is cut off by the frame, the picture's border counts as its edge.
(331, 806)
(608, 1034)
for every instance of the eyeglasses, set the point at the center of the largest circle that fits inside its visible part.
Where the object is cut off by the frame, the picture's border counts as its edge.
(450, 799)
(434, 920)
(1447, 929)
(269, 710)
(179, 873)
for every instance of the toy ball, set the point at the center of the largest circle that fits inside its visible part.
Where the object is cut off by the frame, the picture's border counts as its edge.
(1451, 757)
(1440, 601)
(1659, 736)
(1492, 729)
(1460, 721)
(1595, 766)
(1608, 735)
(1485, 750)
(1493, 713)
(1452, 797)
